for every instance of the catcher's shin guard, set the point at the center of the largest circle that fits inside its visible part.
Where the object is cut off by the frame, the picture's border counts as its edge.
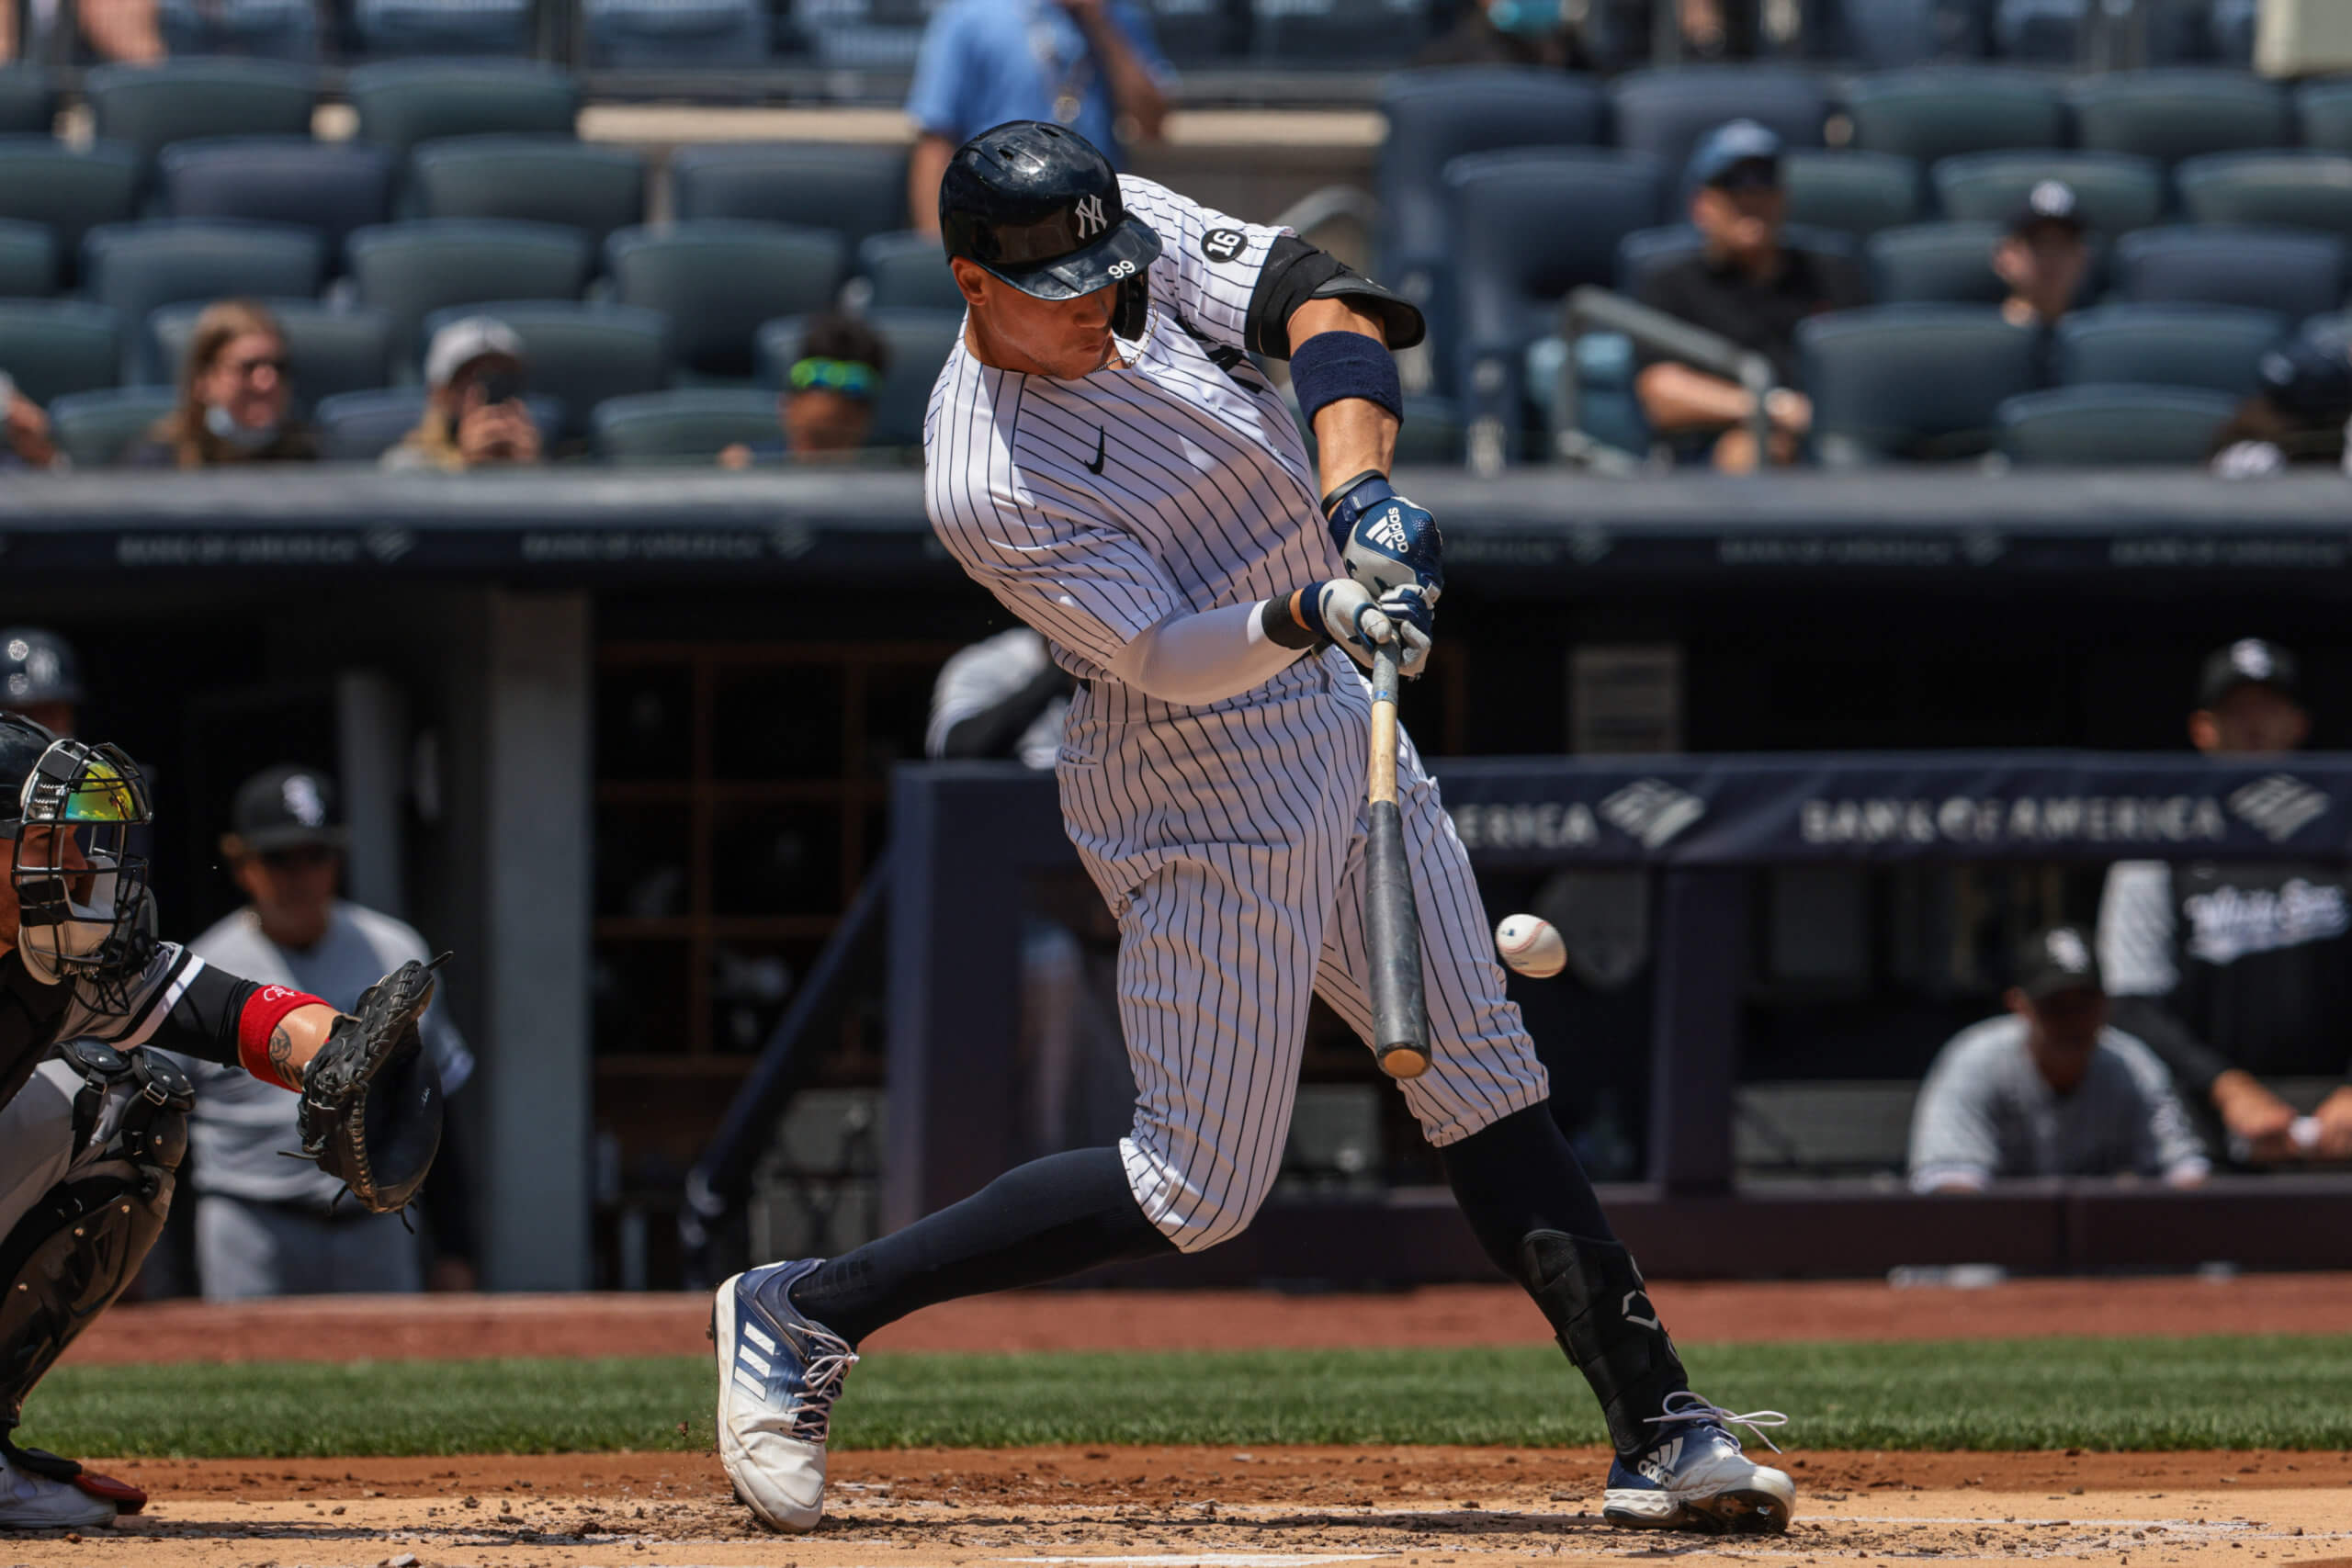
(1594, 1298)
(73, 1250)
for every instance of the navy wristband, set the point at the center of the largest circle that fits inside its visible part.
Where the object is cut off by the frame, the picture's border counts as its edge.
(1332, 366)
(1284, 619)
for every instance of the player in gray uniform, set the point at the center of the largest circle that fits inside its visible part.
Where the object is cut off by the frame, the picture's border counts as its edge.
(1102, 455)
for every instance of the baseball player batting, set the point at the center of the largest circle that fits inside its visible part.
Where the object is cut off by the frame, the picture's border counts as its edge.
(1102, 455)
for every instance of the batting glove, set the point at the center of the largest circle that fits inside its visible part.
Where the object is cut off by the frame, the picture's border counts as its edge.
(1359, 623)
(1386, 541)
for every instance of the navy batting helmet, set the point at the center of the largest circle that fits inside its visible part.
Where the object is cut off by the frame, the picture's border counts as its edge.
(37, 666)
(1038, 207)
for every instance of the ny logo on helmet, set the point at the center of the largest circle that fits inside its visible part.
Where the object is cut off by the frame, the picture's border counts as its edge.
(1088, 213)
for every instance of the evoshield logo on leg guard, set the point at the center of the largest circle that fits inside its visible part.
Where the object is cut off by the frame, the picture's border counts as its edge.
(1626, 1310)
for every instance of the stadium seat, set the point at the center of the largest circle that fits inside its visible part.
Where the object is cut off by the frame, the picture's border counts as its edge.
(1934, 264)
(410, 270)
(327, 351)
(134, 268)
(147, 107)
(1322, 35)
(865, 35)
(55, 346)
(1529, 227)
(409, 28)
(403, 102)
(331, 186)
(27, 261)
(718, 279)
(684, 424)
(2284, 190)
(2230, 28)
(96, 429)
(2117, 192)
(1884, 35)
(920, 342)
(1940, 111)
(1855, 193)
(539, 179)
(856, 191)
(2324, 112)
(359, 427)
(2089, 425)
(2173, 114)
(908, 271)
(1664, 112)
(2210, 347)
(654, 33)
(2265, 269)
(254, 30)
(27, 106)
(580, 353)
(70, 192)
(1911, 381)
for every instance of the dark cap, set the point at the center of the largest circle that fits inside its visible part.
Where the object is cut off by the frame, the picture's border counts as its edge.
(2249, 662)
(288, 807)
(2050, 201)
(37, 666)
(2308, 377)
(2059, 959)
(1728, 146)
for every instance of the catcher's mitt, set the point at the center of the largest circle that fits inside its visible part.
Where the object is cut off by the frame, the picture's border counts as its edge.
(371, 1099)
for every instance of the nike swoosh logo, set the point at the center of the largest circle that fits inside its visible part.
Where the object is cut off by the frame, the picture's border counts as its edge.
(1096, 467)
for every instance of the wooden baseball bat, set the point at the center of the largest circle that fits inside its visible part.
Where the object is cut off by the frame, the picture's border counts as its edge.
(1392, 926)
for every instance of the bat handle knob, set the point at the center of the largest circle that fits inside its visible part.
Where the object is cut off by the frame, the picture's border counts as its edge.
(1402, 1061)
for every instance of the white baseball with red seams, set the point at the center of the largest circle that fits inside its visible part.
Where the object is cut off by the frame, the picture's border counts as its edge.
(1531, 946)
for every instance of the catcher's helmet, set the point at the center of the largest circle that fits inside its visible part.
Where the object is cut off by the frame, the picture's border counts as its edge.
(75, 812)
(1038, 207)
(37, 666)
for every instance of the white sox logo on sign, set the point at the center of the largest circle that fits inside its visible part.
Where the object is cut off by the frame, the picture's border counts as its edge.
(1223, 244)
(1088, 213)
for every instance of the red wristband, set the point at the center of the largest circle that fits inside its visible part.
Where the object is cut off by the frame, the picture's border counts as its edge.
(265, 1010)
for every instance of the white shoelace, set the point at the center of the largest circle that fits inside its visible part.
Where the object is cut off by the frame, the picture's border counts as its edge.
(1700, 1410)
(820, 1384)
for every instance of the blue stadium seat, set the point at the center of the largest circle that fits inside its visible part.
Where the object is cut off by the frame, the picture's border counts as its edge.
(1940, 111)
(147, 107)
(2284, 190)
(256, 30)
(410, 270)
(1324, 34)
(1529, 227)
(44, 181)
(359, 427)
(653, 33)
(908, 271)
(863, 35)
(920, 342)
(856, 191)
(331, 186)
(2046, 33)
(409, 28)
(2210, 346)
(538, 179)
(328, 351)
(1934, 264)
(685, 424)
(2230, 25)
(2116, 192)
(583, 353)
(1664, 112)
(2264, 269)
(403, 102)
(27, 106)
(2097, 425)
(134, 268)
(98, 429)
(2173, 114)
(1911, 381)
(2323, 114)
(1855, 193)
(27, 261)
(716, 280)
(55, 346)
(1888, 34)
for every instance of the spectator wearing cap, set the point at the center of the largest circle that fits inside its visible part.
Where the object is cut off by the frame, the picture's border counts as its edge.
(2240, 974)
(266, 1225)
(1094, 66)
(2298, 416)
(235, 401)
(2042, 256)
(40, 678)
(2050, 1088)
(475, 373)
(827, 406)
(1744, 285)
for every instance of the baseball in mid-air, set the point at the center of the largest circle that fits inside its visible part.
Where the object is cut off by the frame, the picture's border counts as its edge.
(1531, 946)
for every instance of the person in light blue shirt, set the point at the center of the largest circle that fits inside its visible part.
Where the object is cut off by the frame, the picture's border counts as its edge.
(1092, 65)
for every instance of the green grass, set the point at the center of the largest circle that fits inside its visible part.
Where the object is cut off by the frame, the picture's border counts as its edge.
(2279, 1392)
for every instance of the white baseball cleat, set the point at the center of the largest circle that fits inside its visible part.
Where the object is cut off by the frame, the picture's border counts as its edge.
(1698, 1480)
(31, 1501)
(778, 1376)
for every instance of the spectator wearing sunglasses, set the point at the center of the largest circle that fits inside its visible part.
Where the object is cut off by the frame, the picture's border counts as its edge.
(266, 1225)
(827, 406)
(1743, 284)
(235, 400)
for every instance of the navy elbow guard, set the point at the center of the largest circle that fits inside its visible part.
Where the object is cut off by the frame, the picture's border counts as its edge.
(1330, 366)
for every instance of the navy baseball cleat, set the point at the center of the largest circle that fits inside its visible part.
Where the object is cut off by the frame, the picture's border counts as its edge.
(778, 1376)
(1698, 1479)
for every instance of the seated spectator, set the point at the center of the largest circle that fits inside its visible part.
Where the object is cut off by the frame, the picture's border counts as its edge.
(27, 442)
(2298, 417)
(2049, 1089)
(122, 32)
(1092, 65)
(2043, 257)
(827, 406)
(474, 413)
(2234, 972)
(234, 398)
(1746, 287)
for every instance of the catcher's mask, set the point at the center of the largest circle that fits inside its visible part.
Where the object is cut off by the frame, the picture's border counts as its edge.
(76, 828)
